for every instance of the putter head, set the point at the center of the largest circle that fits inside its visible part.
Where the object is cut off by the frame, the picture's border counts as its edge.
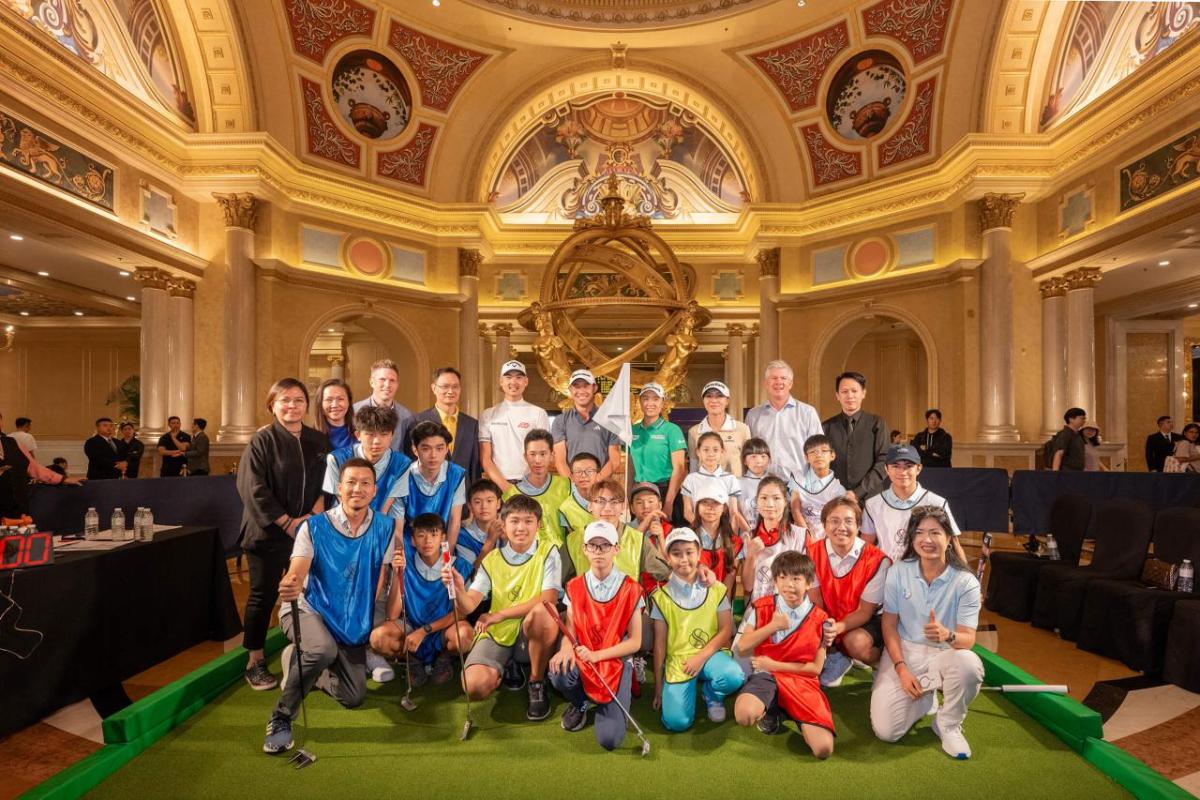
(466, 731)
(407, 703)
(645, 748)
(302, 759)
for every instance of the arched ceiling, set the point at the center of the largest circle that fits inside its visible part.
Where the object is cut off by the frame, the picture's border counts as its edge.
(620, 14)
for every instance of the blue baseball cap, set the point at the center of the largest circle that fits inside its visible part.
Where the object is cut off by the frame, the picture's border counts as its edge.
(902, 452)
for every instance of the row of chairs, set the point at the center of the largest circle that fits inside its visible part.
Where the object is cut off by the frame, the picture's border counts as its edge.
(1105, 607)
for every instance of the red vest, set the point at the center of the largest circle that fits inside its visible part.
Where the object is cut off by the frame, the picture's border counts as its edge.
(842, 595)
(599, 626)
(715, 559)
(649, 582)
(800, 696)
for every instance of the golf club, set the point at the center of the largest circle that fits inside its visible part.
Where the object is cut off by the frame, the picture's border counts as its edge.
(1031, 688)
(462, 663)
(575, 643)
(302, 758)
(406, 701)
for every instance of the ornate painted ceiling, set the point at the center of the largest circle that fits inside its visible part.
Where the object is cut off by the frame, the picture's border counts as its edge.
(620, 14)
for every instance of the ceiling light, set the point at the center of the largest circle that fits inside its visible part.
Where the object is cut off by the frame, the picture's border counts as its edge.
(43, 273)
(130, 298)
(437, 3)
(16, 237)
(1164, 263)
(24, 313)
(124, 274)
(333, 330)
(1193, 305)
(79, 313)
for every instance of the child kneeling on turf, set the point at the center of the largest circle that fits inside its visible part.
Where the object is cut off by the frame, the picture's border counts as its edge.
(420, 622)
(783, 634)
(692, 625)
(602, 614)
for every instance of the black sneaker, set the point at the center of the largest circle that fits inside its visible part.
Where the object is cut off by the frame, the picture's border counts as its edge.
(539, 703)
(259, 677)
(279, 735)
(574, 718)
(514, 678)
(770, 723)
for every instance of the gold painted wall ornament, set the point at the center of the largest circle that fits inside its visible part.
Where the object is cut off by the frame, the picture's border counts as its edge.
(1082, 278)
(996, 210)
(1053, 287)
(613, 262)
(152, 278)
(768, 262)
(468, 262)
(240, 209)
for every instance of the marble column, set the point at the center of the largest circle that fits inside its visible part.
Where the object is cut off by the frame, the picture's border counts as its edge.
(735, 367)
(337, 367)
(489, 381)
(181, 349)
(1081, 339)
(768, 298)
(997, 397)
(239, 379)
(468, 324)
(503, 333)
(1054, 354)
(155, 356)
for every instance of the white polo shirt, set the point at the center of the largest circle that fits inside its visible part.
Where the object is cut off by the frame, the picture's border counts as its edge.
(504, 427)
(785, 431)
(886, 516)
(814, 493)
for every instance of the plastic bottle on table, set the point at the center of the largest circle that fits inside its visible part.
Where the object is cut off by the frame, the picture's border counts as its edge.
(139, 524)
(1187, 577)
(1052, 548)
(118, 524)
(149, 524)
(91, 524)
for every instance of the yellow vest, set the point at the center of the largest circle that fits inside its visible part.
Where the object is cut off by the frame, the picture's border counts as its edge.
(629, 552)
(550, 500)
(512, 585)
(576, 515)
(688, 630)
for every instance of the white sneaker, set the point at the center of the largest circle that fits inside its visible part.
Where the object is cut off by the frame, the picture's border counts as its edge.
(837, 664)
(716, 712)
(954, 744)
(378, 668)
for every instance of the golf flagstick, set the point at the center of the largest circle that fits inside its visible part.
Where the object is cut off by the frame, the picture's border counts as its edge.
(550, 609)
(303, 757)
(462, 662)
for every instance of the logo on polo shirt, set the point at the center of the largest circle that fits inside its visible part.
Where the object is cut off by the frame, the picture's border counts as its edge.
(514, 594)
(698, 638)
(524, 425)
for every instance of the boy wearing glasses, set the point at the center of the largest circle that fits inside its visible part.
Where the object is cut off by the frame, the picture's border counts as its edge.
(815, 486)
(573, 514)
(885, 515)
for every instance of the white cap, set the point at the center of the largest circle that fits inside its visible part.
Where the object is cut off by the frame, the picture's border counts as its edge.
(718, 385)
(600, 530)
(712, 490)
(681, 535)
(512, 366)
(655, 388)
(583, 375)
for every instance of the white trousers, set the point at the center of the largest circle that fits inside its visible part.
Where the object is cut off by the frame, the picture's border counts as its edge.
(894, 712)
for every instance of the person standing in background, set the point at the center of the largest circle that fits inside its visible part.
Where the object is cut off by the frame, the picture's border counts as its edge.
(504, 426)
(659, 451)
(332, 415)
(1066, 448)
(134, 450)
(172, 449)
(197, 454)
(933, 443)
(718, 420)
(464, 446)
(783, 422)
(859, 439)
(106, 456)
(385, 380)
(21, 432)
(1161, 444)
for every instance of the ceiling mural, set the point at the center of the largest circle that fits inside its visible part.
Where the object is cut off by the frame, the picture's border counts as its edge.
(325, 139)
(441, 67)
(668, 165)
(620, 13)
(124, 39)
(37, 154)
(409, 163)
(1107, 42)
(371, 94)
(852, 106)
(317, 25)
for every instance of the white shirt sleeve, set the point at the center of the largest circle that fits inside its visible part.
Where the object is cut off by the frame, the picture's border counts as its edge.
(552, 572)
(891, 592)
(481, 583)
(749, 621)
(331, 475)
(689, 484)
(968, 604)
(953, 523)
(485, 425)
(460, 494)
(303, 546)
(873, 592)
(868, 522)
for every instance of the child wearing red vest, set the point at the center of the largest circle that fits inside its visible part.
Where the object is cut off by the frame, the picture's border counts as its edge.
(782, 634)
(720, 547)
(648, 517)
(603, 613)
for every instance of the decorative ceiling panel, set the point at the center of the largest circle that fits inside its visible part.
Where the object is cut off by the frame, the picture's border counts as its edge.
(317, 25)
(441, 67)
(796, 67)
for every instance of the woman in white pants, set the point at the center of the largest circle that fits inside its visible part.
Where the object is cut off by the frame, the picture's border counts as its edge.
(930, 612)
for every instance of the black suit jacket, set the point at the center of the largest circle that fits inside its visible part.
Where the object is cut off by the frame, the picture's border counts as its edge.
(466, 440)
(859, 463)
(101, 457)
(1158, 448)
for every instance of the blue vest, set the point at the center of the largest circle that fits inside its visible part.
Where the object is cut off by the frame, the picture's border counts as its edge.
(344, 576)
(425, 602)
(440, 502)
(398, 463)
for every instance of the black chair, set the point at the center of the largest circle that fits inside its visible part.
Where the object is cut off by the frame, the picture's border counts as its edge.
(1182, 663)
(1121, 530)
(1127, 619)
(1014, 576)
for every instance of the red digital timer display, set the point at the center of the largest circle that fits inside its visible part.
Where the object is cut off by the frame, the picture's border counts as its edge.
(34, 550)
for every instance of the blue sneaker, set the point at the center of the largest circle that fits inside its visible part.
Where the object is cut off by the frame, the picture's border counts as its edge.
(837, 664)
(279, 735)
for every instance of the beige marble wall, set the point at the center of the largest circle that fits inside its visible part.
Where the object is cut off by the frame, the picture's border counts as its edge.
(1147, 367)
(897, 386)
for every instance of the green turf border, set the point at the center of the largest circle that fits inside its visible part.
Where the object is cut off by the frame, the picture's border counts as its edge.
(134, 728)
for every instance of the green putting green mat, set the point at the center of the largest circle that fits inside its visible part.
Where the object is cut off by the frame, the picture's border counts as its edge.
(379, 748)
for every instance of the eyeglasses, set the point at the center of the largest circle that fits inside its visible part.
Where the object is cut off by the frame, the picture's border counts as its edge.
(597, 547)
(291, 401)
(606, 501)
(584, 473)
(358, 484)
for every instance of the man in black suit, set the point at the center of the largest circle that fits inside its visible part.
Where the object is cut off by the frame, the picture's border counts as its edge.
(860, 440)
(464, 450)
(106, 455)
(1160, 445)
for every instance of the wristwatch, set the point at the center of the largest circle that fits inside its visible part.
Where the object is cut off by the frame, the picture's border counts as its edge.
(428, 630)
(953, 636)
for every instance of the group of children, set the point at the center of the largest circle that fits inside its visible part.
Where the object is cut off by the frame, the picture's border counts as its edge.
(484, 587)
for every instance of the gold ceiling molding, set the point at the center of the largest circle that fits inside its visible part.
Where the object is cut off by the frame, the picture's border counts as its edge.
(619, 14)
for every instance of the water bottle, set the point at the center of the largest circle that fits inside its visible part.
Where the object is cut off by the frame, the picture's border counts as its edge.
(149, 524)
(1187, 577)
(1052, 548)
(118, 524)
(139, 524)
(91, 524)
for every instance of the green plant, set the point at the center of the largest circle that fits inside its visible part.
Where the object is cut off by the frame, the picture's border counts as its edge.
(128, 396)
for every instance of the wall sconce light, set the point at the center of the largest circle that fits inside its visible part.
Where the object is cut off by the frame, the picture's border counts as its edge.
(10, 333)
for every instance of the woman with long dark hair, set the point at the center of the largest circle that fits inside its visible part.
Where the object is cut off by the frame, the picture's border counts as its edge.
(930, 613)
(333, 416)
(279, 480)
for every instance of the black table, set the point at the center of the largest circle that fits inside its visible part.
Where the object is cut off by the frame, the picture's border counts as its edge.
(978, 496)
(104, 616)
(1034, 492)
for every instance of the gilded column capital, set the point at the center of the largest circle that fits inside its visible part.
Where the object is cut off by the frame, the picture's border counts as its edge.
(336, 359)
(768, 262)
(484, 330)
(181, 287)
(996, 210)
(752, 331)
(1053, 287)
(1082, 278)
(724, 353)
(503, 329)
(735, 329)
(240, 209)
(469, 262)
(152, 278)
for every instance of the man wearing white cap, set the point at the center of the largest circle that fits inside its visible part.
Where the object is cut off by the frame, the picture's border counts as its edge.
(503, 427)
(659, 451)
(718, 420)
(783, 422)
(576, 431)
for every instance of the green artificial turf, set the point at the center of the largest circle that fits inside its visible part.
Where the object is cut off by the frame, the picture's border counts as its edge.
(381, 748)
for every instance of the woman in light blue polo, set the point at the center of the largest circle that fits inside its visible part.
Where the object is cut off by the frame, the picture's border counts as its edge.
(930, 613)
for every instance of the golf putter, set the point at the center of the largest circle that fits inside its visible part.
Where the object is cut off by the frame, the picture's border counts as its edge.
(596, 673)
(462, 662)
(406, 701)
(302, 757)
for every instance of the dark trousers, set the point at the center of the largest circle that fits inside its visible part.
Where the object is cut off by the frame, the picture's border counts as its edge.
(610, 720)
(266, 570)
(675, 512)
(338, 670)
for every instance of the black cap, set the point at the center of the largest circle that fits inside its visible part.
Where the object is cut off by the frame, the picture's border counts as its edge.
(902, 452)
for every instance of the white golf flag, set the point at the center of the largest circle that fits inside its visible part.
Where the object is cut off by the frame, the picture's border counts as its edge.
(613, 413)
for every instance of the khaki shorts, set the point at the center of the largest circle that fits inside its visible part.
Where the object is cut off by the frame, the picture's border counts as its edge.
(487, 652)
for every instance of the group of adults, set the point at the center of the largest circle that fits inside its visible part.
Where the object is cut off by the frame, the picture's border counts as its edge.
(1167, 451)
